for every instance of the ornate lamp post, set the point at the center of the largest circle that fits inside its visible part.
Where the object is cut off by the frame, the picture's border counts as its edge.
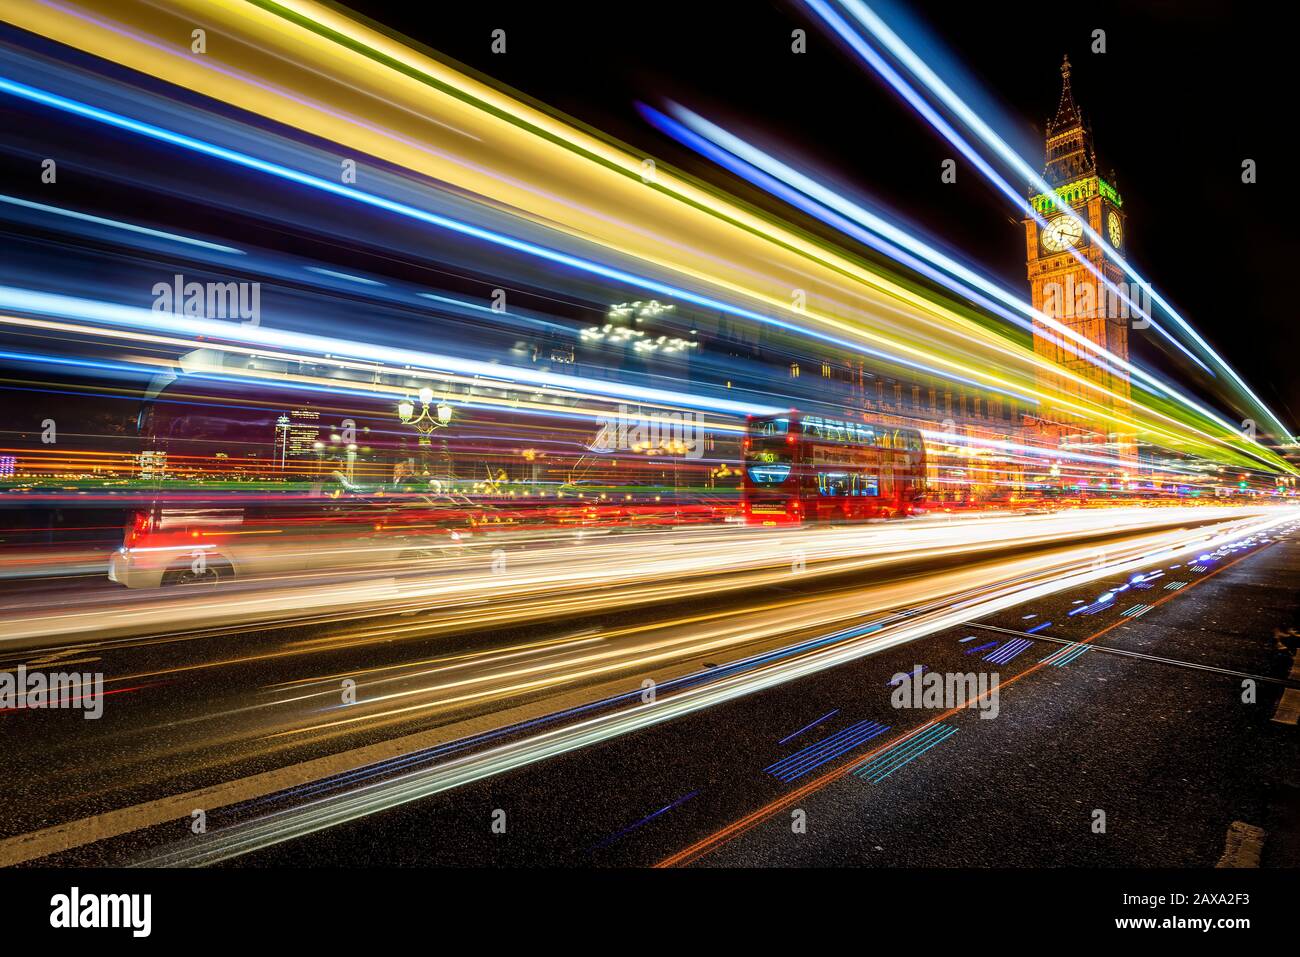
(430, 418)
(427, 420)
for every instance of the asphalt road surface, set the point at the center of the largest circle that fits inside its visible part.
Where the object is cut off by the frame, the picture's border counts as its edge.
(1120, 694)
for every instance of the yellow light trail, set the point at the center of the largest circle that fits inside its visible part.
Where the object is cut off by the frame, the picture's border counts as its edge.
(519, 158)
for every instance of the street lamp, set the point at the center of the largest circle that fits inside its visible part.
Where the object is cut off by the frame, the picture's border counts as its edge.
(282, 425)
(430, 418)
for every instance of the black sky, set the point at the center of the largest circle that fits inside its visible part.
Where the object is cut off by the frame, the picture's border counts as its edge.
(1184, 92)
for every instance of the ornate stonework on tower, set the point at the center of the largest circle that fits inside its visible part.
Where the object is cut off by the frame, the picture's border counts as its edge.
(1065, 274)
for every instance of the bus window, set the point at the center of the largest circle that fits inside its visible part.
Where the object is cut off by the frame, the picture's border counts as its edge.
(866, 484)
(769, 473)
(773, 427)
(833, 483)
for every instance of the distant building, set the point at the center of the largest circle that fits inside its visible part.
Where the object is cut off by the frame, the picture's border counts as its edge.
(153, 464)
(302, 433)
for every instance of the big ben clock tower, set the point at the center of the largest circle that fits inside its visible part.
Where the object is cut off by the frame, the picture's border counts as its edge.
(1063, 266)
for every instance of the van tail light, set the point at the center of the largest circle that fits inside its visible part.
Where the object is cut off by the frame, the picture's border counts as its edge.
(141, 525)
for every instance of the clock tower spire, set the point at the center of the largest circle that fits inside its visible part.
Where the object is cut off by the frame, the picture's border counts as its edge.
(1069, 139)
(1073, 280)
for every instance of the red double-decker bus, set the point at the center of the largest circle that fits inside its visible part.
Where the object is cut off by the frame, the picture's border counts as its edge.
(810, 468)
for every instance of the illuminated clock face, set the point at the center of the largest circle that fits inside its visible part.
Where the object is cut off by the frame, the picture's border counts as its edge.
(1062, 233)
(1113, 229)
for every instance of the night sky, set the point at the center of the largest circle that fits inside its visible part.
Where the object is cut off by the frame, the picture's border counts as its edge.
(1185, 91)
